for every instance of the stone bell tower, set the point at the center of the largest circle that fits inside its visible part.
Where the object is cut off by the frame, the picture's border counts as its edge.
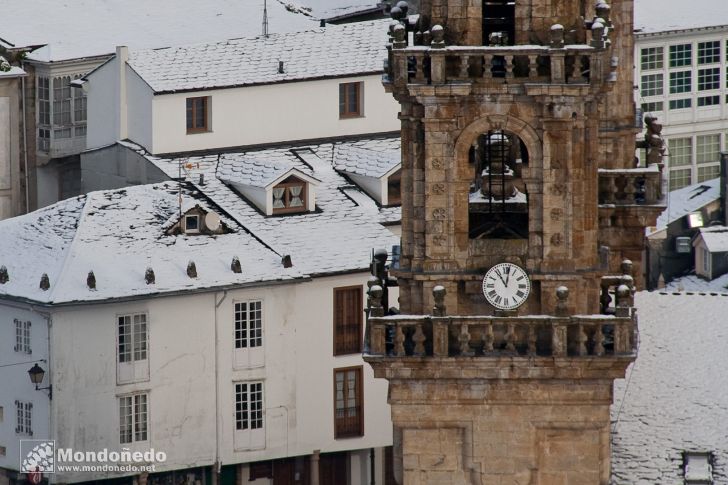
(518, 137)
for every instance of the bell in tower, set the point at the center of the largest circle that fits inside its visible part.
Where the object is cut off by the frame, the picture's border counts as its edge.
(523, 216)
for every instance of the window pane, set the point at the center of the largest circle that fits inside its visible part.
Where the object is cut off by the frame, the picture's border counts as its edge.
(709, 79)
(708, 52)
(140, 417)
(125, 338)
(652, 85)
(652, 107)
(125, 419)
(681, 55)
(709, 100)
(681, 151)
(708, 148)
(707, 173)
(679, 178)
(241, 325)
(681, 103)
(652, 58)
(680, 82)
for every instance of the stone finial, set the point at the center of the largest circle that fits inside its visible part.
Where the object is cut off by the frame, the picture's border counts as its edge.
(626, 267)
(403, 6)
(149, 276)
(396, 13)
(400, 36)
(556, 36)
(235, 265)
(373, 280)
(287, 261)
(4, 277)
(438, 293)
(45, 282)
(426, 37)
(562, 295)
(375, 301)
(603, 10)
(191, 269)
(438, 36)
(597, 33)
(624, 297)
(91, 280)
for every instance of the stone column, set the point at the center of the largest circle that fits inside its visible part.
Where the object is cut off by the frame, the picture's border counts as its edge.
(315, 467)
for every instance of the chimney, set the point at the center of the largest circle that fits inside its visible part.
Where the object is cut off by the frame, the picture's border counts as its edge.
(322, 23)
(280, 67)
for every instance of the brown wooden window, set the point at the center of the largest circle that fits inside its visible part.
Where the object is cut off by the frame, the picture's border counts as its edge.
(348, 399)
(290, 196)
(348, 316)
(197, 114)
(394, 188)
(349, 100)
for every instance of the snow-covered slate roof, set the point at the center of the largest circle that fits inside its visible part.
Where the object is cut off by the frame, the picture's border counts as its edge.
(663, 15)
(86, 28)
(337, 237)
(246, 171)
(371, 160)
(675, 396)
(715, 238)
(334, 50)
(694, 283)
(117, 234)
(682, 202)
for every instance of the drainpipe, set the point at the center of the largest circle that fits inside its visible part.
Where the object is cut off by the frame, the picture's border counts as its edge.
(25, 143)
(216, 466)
(122, 56)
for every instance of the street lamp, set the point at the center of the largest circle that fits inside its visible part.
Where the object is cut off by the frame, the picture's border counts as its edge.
(36, 374)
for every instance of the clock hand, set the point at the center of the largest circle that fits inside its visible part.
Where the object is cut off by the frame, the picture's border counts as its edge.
(500, 277)
(508, 276)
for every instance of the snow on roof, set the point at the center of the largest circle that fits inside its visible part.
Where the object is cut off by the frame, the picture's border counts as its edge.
(368, 159)
(688, 199)
(693, 283)
(675, 396)
(664, 15)
(85, 28)
(334, 50)
(324, 9)
(117, 234)
(236, 169)
(14, 71)
(715, 238)
(337, 237)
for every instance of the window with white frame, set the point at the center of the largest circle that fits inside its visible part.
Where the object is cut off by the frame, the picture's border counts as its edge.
(652, 107)
(24, 418)
(62, 101)
(708, 52)
(709, 100)
(707, 148)
(248, 324)
(680, 82)
(681, 151)
(22, 336)
(708, 173)
(681, 55)
(248, 405)
(709, 79)
(651, 58)
(133, 418)
(652, 85)
(44, 101)
(679, 178)
(681, 103)
(132, 337)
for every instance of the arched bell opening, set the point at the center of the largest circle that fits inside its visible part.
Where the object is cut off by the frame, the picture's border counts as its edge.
(498, 196)
(499, 22)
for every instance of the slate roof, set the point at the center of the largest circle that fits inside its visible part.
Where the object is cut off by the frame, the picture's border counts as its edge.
(368, 159)
(233, 168)
(337, 237)
(117, 234)
(715, 238)
(86, 28)
(334, 50)
(664, 15)
(688, 199)
(675, 396)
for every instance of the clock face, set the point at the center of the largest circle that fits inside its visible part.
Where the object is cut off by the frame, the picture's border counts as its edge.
(506, 286)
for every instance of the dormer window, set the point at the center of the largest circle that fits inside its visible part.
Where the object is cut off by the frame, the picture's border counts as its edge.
(192, 224)
(289, 196)
(698, 468)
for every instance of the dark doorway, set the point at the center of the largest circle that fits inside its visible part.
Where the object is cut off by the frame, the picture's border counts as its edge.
(333, 469)
(499, 16)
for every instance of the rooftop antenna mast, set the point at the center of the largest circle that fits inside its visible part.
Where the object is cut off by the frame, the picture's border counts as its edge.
(265, 18)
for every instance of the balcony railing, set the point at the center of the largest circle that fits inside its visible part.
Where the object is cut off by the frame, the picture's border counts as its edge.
(631, 186)
(577, 64)
(612, 333)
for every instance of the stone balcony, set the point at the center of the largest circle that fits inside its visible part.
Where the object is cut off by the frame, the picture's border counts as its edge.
(528, 342)
(522, 64)
(636, 186)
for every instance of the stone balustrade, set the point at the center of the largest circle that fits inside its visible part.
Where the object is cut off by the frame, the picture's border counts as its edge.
(577, 64)
(631, 186)
(439, 335)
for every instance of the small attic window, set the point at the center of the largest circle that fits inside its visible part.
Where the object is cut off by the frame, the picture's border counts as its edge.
(698, 468)
(192, 224)
(290, 196)
(394, 188)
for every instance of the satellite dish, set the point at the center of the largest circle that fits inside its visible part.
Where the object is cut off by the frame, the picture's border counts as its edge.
(212, 221)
